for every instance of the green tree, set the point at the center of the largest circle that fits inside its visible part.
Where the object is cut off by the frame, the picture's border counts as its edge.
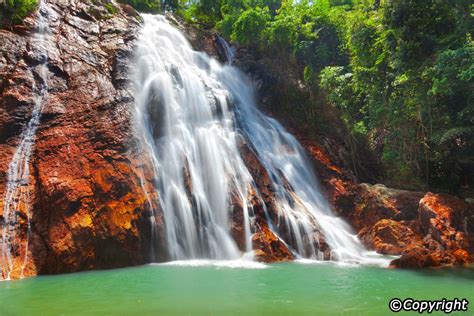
(14, 11)
(249, 27)
(148, 6)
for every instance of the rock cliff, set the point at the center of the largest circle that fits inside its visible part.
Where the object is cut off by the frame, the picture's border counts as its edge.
(89, 185)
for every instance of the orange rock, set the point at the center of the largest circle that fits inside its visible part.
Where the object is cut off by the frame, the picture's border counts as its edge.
(269, 248)
(443, 219)
(91, 190)
(390, 237)
(318, 154)
(461, 256)
(415, 258)
(427, 230)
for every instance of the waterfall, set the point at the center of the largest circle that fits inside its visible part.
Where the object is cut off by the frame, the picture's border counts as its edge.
(17, 192)
(299, 199)
(185, 116)
(192, 113)
(228, 50)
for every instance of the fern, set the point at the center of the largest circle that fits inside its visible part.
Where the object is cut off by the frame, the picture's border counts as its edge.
(455, 133)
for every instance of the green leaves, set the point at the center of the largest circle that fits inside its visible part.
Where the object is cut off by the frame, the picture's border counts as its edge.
(454, 71)
(399, 73)
(149, 6)
(249, 27)
(457, 135)
(412, 80)
(14, 11)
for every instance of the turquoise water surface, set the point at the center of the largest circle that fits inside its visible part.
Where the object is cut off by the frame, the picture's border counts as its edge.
(223, 289)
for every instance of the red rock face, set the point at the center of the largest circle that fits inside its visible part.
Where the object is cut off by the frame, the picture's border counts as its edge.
(388, 237)
(91, 190)
(92, 187)
(442, 223)
(268, 246)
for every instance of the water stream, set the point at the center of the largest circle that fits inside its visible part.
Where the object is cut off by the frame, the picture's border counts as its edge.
(228, 49)
(187, 124)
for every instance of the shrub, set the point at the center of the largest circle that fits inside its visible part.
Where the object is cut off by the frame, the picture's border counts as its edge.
(14, 11)
(249, 27)
(148, 6)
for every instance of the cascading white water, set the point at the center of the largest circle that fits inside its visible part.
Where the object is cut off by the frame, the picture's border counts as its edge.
(192, 112)
(185, 116)
(300, 202)
(17, 194)
(228, 49)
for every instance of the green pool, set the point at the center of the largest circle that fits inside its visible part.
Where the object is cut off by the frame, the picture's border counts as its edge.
(223, 289)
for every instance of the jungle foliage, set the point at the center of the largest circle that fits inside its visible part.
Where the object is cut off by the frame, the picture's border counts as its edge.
(399, 73)
(14, 11)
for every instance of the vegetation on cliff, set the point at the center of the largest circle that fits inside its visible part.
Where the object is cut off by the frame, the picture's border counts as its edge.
(14, 11)
(153, 6)
(400, 74)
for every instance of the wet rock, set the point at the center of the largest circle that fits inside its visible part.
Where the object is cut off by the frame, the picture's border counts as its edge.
(375, 202)
(269, 248)
(445, 219)
(389, 237)
(91, 190)
(415, 258)
(271, 226)
(202, 40)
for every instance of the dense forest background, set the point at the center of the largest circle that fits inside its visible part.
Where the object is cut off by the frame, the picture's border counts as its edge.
(398, 74)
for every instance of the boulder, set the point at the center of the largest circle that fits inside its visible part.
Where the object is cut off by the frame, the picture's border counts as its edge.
(389, 237)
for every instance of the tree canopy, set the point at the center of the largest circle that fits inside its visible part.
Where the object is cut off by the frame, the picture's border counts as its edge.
(399, 73)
